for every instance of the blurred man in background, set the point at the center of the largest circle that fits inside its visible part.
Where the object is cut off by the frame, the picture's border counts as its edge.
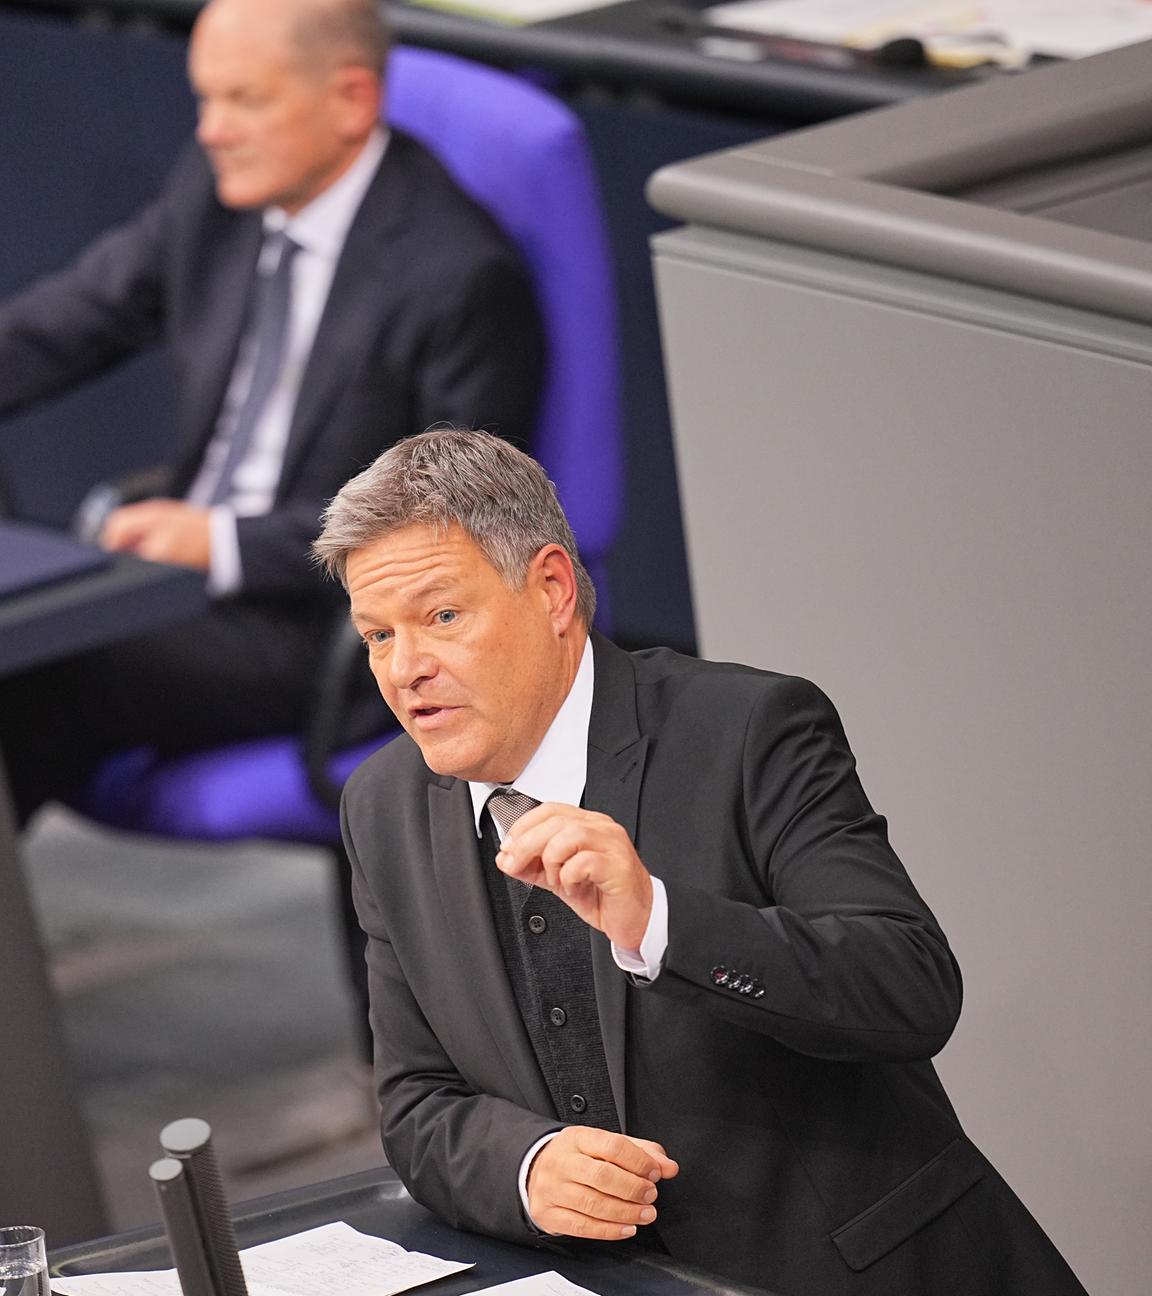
(323, 287)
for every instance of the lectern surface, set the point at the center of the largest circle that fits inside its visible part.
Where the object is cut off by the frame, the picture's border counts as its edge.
(376, 1202)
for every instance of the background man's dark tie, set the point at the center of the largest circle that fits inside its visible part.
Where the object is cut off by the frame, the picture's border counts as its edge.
(273, 310)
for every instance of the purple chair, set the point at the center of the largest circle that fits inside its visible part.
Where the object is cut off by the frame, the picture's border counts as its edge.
(523, 155)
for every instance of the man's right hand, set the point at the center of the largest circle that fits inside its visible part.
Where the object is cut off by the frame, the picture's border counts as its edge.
(161, 530)
(591, 1183)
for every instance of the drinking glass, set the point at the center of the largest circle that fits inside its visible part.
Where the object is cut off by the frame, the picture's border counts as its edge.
(23, 1261)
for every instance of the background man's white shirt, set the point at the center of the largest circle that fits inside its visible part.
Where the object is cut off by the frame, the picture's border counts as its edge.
(320, 230)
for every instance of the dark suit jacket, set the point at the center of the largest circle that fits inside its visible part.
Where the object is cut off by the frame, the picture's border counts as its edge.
(430, 317)
(781, 1055)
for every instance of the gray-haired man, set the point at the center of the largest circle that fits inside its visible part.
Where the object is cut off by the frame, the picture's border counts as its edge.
(698, 944)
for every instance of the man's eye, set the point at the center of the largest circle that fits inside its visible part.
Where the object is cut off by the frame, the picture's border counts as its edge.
(446, 617)
(376, 637)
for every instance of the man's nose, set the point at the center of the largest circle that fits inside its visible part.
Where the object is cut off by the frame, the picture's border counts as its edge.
(409, 662)
(212, 128)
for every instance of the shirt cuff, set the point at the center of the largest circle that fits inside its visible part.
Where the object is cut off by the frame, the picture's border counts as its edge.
(648, 959)
(224, 572)
(522, 1178)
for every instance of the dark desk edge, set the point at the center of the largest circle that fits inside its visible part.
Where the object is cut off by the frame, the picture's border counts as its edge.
(412, 1226)
(67, 617)
(246, 1215)
(585, 51)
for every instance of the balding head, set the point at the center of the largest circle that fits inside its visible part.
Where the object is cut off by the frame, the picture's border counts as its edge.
(317, 35)
(341, 33)
(288, 90)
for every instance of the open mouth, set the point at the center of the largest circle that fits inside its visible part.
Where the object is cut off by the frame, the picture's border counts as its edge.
(429, 716)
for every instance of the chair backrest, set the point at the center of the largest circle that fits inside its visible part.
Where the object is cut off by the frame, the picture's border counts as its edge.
(523, 155)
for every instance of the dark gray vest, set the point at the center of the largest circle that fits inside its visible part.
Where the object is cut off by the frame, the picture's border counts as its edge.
(549, 963)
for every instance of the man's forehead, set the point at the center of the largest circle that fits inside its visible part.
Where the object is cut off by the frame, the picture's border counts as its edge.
(414, 560)
(246, 37)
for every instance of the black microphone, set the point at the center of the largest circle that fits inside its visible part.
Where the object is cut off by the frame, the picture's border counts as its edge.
(190, 1142)
(182, 1226)
(900, 52)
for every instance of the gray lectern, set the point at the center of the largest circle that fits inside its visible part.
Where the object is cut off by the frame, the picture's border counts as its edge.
(910, 360)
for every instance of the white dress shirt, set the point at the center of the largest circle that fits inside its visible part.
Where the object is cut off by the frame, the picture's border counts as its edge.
(558, 771)
(320, 230)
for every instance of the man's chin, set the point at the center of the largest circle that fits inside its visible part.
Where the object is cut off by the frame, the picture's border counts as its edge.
(442, 763)
(234, 193)
(436, 755)
(448, 763)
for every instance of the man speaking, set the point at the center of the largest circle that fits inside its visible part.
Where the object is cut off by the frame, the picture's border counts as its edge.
(643, 965)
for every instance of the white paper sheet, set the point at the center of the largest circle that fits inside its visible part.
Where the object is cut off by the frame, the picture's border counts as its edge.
(335, 1257)
(153, 1282)
(1064, 28)
(545, 1284)
(516, 11)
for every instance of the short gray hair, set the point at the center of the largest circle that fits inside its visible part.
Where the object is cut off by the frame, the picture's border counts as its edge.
(497, 494)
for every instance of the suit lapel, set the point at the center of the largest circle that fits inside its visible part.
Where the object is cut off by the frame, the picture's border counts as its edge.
(616, 755)
(356, 302)
(464, 897)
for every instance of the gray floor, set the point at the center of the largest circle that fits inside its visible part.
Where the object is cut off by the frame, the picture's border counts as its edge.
(203, 981)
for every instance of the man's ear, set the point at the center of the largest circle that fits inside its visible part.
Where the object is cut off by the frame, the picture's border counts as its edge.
(555, 576)
(358, 93)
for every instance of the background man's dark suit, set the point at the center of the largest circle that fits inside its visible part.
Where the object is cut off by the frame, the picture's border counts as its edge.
(430, 317)
(781, 1057)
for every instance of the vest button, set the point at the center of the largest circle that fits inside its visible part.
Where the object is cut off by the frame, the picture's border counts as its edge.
(537, 923)
(578, 1103)
(557, 1016)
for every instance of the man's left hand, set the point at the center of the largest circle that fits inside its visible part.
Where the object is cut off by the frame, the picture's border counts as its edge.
(587, 860)
(161, 530)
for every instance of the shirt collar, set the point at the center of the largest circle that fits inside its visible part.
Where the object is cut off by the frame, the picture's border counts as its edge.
(322, 226)
(558, 769)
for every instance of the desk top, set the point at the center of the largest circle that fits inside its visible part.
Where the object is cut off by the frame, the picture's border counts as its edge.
(634, 44)
(376, 1202)
(72, 615)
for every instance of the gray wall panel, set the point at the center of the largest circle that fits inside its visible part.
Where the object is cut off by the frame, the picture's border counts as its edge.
(934, 500)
